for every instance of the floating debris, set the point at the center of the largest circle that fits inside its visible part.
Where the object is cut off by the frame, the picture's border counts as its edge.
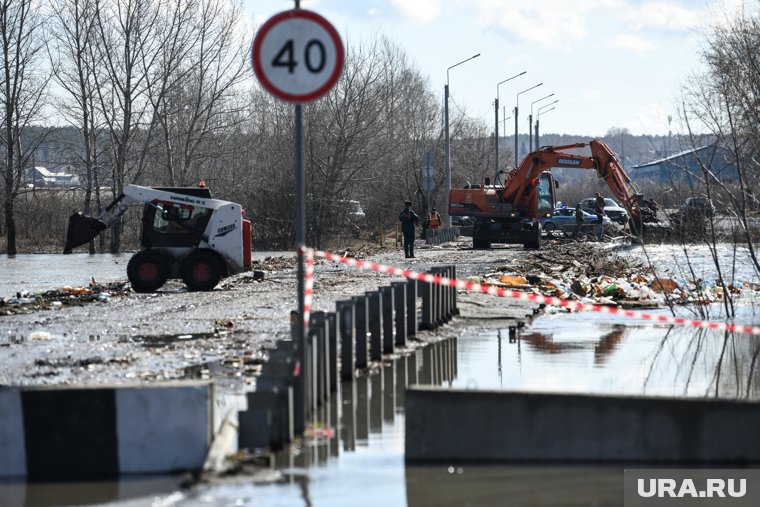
(26, 302)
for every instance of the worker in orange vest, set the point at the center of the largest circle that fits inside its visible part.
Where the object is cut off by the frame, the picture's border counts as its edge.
(434, 220)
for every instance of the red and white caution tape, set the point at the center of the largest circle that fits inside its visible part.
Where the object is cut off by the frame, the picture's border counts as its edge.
(529, 296)
(308, 285)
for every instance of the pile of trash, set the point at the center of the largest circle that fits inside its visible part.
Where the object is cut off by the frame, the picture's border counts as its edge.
(274, 263)
(26, 302)
(591, 275)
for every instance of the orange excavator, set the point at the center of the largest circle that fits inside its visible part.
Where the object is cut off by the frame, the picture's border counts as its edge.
(508, 210)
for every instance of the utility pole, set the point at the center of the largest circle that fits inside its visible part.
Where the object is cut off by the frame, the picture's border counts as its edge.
(447, 142)
(496, 125)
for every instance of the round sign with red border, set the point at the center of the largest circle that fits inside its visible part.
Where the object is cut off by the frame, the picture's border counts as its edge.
(297, 55)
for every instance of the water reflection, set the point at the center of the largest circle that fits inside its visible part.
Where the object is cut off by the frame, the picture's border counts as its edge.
(14, 494)
(507, 486)
(369, 434)
(603, 347)
(571, 354)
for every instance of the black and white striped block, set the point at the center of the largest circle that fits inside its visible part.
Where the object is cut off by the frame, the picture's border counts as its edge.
(75, 433)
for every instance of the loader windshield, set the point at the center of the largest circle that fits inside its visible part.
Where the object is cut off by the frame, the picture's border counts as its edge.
(170, 224)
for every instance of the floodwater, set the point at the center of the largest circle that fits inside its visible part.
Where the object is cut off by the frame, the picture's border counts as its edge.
(36, 273)
(363, 462)
(40, 272)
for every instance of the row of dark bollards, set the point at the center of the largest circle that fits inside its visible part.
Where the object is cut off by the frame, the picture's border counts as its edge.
(438, 236)
(357, 335)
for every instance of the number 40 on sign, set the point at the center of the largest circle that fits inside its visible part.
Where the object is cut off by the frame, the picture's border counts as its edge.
(297, 55)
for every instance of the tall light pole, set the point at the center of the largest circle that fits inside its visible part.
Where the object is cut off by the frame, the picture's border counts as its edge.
(539, 113)
(530, 122)
(496, 114)
(517, 114)
(447, 144)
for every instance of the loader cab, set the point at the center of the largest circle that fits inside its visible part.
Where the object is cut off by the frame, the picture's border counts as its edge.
(167, 224)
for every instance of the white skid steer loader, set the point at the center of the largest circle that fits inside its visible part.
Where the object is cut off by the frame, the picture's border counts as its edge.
(185, 234)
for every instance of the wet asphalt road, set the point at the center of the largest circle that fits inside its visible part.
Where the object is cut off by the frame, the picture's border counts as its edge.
(176, 334)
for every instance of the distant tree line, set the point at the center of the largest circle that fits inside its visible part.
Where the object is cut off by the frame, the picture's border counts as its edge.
(160, 93)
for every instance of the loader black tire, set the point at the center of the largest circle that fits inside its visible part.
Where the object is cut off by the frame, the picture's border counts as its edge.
(147, 270)
(202, 270)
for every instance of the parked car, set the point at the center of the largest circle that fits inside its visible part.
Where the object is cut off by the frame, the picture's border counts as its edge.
(611, 208)
(563, 220)
(462, 221)
(699, 204)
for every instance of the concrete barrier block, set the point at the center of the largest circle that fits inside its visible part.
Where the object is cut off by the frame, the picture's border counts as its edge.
(399, 312)
(411, 308)
(346, 317)
(101, 432)
(388, 303)
(375, 315)
(12, 453)
(361, 314)
(163, 428)
(495, 426)
(268, 421)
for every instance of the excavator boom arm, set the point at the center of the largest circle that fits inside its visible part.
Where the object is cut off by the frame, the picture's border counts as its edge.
(613, 174)
(520, 183)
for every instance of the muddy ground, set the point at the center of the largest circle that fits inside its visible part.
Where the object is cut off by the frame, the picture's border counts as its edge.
(225, 333)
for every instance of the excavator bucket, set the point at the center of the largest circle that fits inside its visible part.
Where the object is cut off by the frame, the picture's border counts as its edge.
(81, 230)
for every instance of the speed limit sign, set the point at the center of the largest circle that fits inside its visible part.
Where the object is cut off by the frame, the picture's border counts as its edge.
(297, 55)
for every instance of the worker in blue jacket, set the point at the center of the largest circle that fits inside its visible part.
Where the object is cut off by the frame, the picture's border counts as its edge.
(409, 221)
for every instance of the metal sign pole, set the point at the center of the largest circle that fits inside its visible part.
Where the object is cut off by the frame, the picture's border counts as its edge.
(301, 382)
(298, 56)
(300, 240)
(300, 395)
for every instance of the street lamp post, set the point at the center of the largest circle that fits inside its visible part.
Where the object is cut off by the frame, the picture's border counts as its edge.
(496, 125)
(517, 113)
(447, 143)
(530, 123)
(539, 113)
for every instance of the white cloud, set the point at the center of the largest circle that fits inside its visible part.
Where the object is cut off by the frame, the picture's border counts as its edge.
(633, 42)
(560, 23)
(591, 94)
(661, 15)
(653, 118)
(549, 23)
(418, 10)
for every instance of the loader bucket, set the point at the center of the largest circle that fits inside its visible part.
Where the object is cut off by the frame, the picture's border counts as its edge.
(81, 230)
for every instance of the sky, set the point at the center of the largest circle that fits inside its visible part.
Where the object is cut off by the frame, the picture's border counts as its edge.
(609, 63)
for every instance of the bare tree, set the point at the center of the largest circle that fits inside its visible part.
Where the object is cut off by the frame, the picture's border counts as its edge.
(126, 47)
(726, 101)
(196, 104)
(74, 65)
(22, 94)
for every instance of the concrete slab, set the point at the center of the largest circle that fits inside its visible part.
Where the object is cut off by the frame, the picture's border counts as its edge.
(497, 426)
